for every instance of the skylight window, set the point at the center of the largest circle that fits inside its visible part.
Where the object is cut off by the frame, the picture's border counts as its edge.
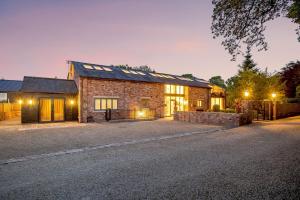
(98, 68)
(184, 79)
(141, 73)
(107, 69)
(202, 81)
(126, 71)
(133, 72)
(88, 67)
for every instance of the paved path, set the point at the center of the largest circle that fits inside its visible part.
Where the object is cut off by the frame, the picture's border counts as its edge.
(253, 162)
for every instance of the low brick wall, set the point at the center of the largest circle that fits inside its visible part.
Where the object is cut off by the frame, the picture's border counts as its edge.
(217, 118)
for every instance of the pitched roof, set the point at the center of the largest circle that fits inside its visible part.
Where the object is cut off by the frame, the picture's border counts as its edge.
(48, 85)
(10, 85)
(117, 73)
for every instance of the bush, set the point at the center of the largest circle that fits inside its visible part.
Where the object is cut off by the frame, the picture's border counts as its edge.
(216, 108)
(229, 110)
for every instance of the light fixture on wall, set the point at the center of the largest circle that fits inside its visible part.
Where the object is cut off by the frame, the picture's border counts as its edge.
(273, 95)
(20, 101)
(72, 102)
(30, 102)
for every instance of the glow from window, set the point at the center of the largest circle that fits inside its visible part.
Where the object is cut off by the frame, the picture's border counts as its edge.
(107, 69)
(133, 72)
(141, 73)
(126, 71)
(98, 68)
(105, 103)
(88, 67)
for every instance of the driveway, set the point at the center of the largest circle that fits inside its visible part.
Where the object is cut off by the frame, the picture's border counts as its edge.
(35, 139)
(261, 161)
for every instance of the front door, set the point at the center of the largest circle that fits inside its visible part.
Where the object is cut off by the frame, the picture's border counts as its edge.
(45, 110)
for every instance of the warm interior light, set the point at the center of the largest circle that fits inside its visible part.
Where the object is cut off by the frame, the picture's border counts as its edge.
(141, 113)
(72, 102)
(274, 95)
(30, 102)
(20, 101)
(246, 93)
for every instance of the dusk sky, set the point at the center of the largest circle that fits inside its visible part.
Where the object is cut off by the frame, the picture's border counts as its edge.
(172, 36)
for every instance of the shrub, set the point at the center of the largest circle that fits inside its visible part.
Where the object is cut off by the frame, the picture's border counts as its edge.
(216, 108)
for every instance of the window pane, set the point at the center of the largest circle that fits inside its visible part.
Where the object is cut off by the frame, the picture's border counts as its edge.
(97, 104)
(103, 104)
(3, 97)
(115, 104)
(173, 88)
(108, 104)
(167, 89)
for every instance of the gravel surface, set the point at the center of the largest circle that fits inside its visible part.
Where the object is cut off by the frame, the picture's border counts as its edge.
(261, 161)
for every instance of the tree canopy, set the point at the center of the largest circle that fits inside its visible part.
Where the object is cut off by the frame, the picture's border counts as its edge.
(217, 80)
(241, 22)
(144, 68)
(260, 84)
(291, 76)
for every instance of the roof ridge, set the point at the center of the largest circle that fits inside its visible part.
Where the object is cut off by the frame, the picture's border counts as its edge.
(10, 80)
(61, 79)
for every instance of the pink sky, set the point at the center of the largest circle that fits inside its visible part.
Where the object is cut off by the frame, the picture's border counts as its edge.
(172, 36)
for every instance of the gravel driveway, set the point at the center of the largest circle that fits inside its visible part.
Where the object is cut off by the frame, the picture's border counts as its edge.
(261, 161)
(38, 139)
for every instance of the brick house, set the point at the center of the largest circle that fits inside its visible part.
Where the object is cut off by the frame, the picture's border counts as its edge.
(133, 93)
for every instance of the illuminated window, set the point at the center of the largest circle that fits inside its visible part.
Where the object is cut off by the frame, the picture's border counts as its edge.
(141, 73)
(174, 89)
(3, 97)
(217, 101)
(199, 103)
(88, 66)
(126, 71)
(98, 68)
(107, 69)
(106, 103)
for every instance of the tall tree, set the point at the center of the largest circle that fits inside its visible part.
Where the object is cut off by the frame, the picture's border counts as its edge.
(243, 21)
(248, 63)
(291, 76)
(217, 80)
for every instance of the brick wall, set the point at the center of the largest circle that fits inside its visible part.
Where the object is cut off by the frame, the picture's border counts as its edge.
(129, 95)
(198, 94)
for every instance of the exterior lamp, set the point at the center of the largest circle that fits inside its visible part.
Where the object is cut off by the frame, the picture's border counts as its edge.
(246, 94)
(72, 102)
(30, 102)
(273, 95)
(20, 101)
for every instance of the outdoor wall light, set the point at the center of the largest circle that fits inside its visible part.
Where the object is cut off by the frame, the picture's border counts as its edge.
(72, 102)
(30, 102)
(273, 95)
(246, 94)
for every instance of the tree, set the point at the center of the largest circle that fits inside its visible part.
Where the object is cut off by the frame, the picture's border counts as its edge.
(191, 76)
(243, 21)
(217, 80)
(248, 63)
(260, 84)
(144, 68)
(290, 75)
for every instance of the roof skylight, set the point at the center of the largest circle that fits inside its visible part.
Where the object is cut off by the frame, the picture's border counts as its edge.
(184, 79)
(133, 72)
(126, 71)
(88, 66)
(107, 69)
(141, 73)
(98, 68)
